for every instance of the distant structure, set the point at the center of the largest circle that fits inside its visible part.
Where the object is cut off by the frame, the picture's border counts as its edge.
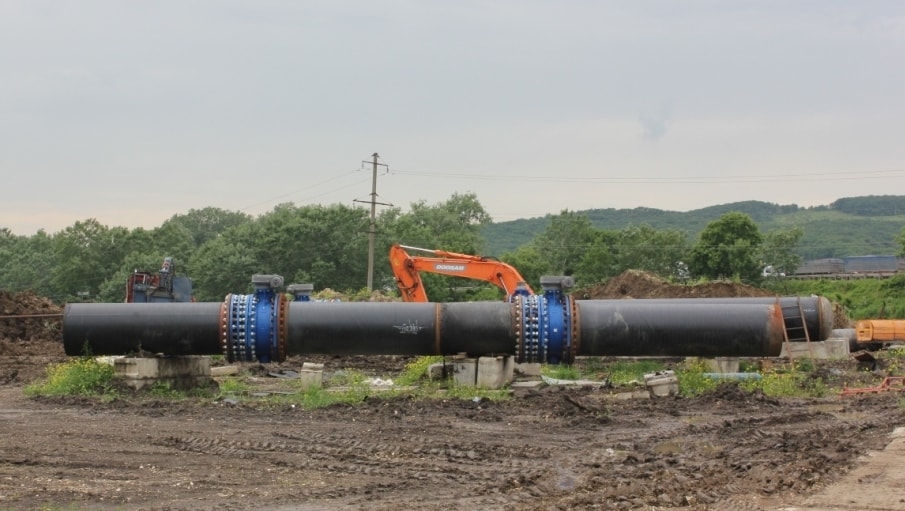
(869, 266)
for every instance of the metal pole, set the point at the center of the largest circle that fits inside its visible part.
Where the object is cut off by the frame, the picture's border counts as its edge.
(372, 229)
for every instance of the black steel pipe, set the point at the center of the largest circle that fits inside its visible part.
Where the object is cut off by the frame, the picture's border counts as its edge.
(120, 328)
(376, 328)
(817, 310)
(642, 327)
(600, 327)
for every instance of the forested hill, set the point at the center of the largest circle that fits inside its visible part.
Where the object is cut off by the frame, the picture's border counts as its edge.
(850, 226)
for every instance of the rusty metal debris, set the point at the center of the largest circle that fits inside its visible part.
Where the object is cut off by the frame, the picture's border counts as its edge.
(890, 383)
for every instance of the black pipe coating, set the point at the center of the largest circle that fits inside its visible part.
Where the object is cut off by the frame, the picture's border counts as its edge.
(726, 327)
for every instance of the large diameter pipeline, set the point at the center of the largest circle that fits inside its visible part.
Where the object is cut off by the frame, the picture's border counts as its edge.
(121, 328)
(526, 328)
(407, 328)
(816, 310)
(642, 327)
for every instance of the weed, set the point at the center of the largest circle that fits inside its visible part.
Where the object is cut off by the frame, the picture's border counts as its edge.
(692, 381)
(77, 377)
(468, 392)
(163, 390)
(233, 386)
(793, 383)
(347, 377)
(805, 365)
(561, 372)
(416, 370)
(621, 373)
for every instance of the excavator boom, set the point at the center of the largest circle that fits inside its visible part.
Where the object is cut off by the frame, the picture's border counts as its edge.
(407, 269)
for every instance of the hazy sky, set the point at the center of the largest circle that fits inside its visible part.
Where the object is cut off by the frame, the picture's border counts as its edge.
(132, 111)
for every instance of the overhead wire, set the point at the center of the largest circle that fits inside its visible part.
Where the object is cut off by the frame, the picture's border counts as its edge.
(272, 199)
(757, 178)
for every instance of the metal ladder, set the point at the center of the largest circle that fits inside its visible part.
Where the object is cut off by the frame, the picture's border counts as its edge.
(795, 327)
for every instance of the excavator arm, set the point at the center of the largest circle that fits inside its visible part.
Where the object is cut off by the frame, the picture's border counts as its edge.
(408, 268)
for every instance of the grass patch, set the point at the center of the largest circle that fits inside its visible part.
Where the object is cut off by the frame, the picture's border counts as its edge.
(233, 386)
(692, 381)
(78, 377)
(787, 383)
(346, 378)
(416, 370)
(561, 372)
(621, 373)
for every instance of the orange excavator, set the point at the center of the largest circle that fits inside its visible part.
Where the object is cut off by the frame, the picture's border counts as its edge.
(408, 268)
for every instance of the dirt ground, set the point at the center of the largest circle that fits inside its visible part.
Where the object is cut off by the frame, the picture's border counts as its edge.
(547, 448)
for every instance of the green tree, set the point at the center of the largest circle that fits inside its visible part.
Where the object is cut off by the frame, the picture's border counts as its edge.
(601, 259)
(728, 247)
(27, 263)
(453, 225)
(564, 242)
(901, 241)
(529, 263)
(223, 265)
(208, 223)
(779, 250)
(86, 253)
(645, 248)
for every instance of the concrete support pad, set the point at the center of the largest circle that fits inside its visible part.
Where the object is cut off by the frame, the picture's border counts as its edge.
(528, 368)
(830, 349)
(723, 364)
(494, 372)
(483, 372)
(311, 376)
(437, 371)
(181, 373)
(465, 371)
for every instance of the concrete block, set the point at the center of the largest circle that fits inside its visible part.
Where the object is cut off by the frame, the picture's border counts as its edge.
(311, 376)
(180, 373)
(465, 371)
(224, 370)
(436, 371)
(828, 349)
(494, 372)
(662, 383)
(527, 368)
(531, 385)
(723, 364)
(837, 349)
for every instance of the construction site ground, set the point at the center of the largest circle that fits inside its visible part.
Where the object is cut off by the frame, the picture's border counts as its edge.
(549, 447)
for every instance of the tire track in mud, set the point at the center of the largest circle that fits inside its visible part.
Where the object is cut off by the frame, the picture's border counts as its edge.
(391, 461)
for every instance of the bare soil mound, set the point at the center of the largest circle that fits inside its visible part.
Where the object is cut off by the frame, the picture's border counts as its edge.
(29, 317)
(639, 284)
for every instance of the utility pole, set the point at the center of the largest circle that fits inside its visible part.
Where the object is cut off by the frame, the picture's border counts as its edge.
(372, 228)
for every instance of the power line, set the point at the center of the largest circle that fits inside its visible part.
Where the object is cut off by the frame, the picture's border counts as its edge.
(757, 178)
(309, 187)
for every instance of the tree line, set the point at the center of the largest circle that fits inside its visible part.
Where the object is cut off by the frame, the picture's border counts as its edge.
(328, 246)
(850, 226)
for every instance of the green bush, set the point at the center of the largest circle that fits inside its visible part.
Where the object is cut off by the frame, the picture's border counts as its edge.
(692, 381)
(77, 377)
(787, 384)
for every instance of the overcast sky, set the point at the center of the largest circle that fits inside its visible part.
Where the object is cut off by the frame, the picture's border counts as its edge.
(130, 112)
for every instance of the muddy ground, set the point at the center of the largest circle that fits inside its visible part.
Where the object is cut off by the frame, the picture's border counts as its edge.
(547, 448)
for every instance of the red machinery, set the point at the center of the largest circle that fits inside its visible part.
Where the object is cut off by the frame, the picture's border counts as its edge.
(162, 286)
